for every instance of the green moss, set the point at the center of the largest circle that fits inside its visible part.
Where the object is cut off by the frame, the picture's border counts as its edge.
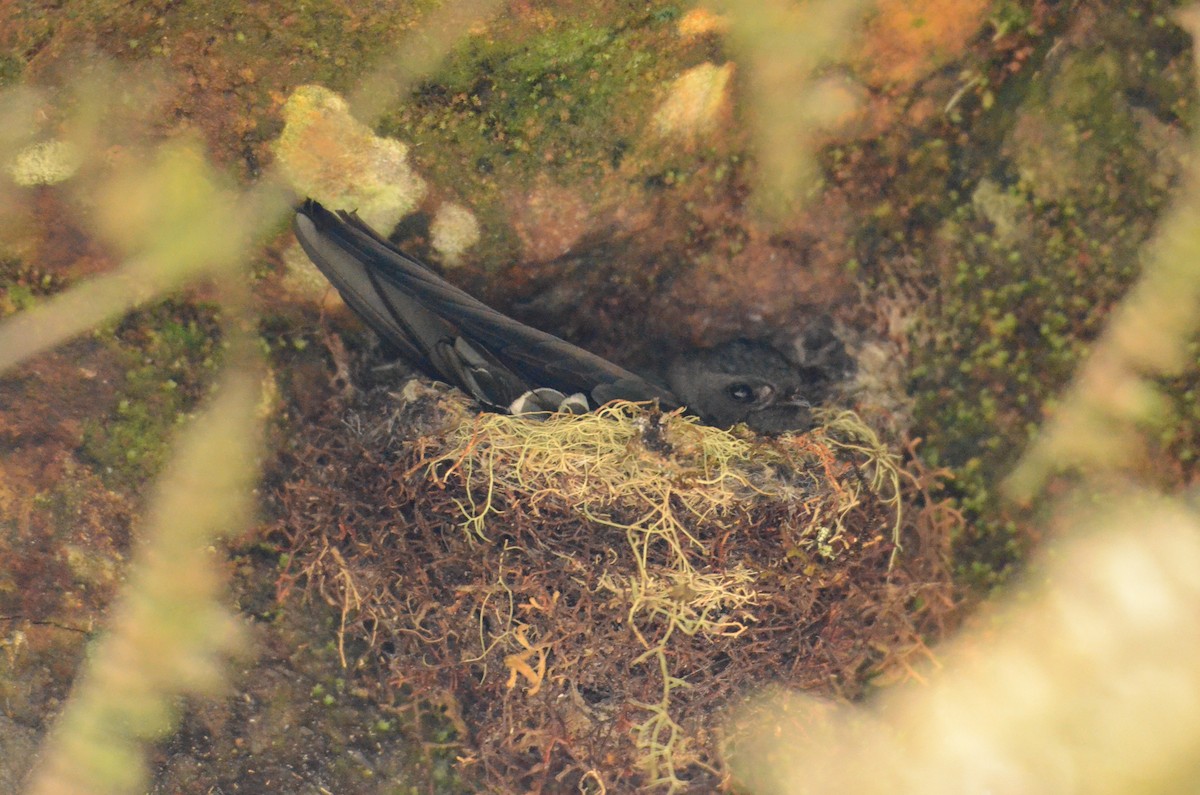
(170, 354)
(1179, 439)
(11, 69)
(1007, 17)
(1006, 336)
(23, 286)
(570, 94)
(1024, 273)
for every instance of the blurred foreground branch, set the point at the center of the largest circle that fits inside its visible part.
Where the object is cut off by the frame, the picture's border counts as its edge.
(176, 221)
(187, 227)
(186, 223)
(169, 630)
(1093, 685)
(1098, 426)
(417, 56)
(785, 46)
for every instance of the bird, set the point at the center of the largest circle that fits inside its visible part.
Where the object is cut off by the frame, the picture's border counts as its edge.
(508, 366)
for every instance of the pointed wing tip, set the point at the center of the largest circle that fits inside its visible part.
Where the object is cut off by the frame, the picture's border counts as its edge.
(314, 211)
(324, 219)
(306, 221)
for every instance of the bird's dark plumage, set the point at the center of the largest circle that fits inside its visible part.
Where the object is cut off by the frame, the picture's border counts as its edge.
(509, 366)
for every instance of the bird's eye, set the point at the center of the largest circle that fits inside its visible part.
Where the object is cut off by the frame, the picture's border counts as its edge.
(742, 393)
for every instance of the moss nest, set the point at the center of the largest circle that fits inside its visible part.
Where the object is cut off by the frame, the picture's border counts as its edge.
(584, 597)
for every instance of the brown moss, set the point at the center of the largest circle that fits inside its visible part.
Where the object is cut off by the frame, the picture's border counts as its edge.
(907, 40)
(589, 593)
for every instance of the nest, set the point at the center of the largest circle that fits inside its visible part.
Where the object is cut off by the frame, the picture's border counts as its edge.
(585, 597)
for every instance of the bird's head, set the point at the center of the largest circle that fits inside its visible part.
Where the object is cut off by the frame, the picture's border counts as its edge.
(744, 381)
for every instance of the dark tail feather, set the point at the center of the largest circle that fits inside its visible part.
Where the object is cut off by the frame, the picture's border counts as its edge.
(431, 320)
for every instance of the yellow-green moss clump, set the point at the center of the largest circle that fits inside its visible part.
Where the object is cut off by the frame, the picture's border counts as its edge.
(45, 163)
(590, 591)
(454, 230)
(328, 154)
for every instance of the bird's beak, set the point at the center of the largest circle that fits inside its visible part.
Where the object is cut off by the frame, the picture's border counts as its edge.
(792, 397)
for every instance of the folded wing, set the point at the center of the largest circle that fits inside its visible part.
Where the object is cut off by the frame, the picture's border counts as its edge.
(444, 330)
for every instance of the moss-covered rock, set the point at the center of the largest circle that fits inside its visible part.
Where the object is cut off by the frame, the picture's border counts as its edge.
(1034, 245)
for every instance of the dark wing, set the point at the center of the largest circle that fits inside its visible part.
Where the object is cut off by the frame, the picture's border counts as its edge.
(451, 334)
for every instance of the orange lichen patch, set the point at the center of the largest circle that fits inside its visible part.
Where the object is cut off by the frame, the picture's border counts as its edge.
(906, 39)
(518, 664)
(529, 12)
(701, 22)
